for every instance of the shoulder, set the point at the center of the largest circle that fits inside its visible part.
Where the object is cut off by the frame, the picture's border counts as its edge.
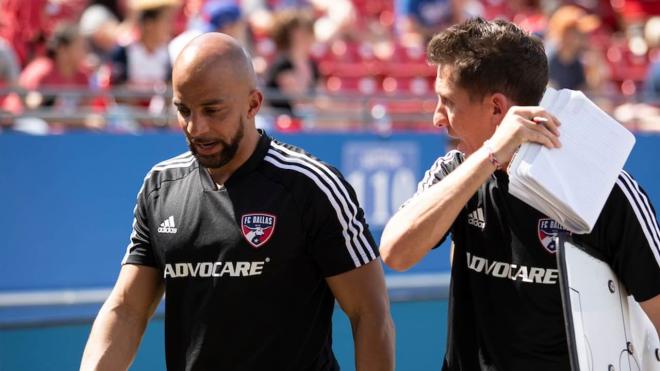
(440, 168)
(173, 169)
(301, 170)
(627, 187)
(448, 162)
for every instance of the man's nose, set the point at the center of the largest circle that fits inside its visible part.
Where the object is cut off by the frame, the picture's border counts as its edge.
(197, 125)
(440, 118)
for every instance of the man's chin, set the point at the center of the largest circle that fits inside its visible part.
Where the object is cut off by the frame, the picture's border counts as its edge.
(210, 162)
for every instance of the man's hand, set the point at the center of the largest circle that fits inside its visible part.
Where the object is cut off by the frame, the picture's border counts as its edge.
(524, 124)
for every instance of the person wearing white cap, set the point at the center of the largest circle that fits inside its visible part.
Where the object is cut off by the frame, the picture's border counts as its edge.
(215, 16)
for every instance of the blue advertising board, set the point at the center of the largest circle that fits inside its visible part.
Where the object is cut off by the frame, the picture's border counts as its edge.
(66, 201)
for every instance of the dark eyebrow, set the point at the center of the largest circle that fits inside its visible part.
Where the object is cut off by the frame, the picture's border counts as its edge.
(212, 102)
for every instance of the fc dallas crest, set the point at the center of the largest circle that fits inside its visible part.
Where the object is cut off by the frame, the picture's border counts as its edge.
(549, 229)
(257, 228)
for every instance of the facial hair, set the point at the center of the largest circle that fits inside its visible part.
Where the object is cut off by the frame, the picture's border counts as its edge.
(226, 154)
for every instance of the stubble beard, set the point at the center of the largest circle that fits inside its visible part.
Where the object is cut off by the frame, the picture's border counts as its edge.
(226, 154)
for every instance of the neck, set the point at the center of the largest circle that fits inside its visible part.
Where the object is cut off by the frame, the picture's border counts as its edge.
(150, 43)
(468, 148)
(246, 148)
(566, 55)
(299, 54)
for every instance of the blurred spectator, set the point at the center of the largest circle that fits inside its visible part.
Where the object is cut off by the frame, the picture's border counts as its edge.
(58, 81)
(645, 115)
(652, 83)
(215, 16)
(27, 24)
(337, 19)
(9, 68)
(100, 26)
(9, 72)
(61, 67)
(418, 20)
(145, 63)
(259, 13)
(23, 26)
(529, 15)
(293, 73)
(567, 32)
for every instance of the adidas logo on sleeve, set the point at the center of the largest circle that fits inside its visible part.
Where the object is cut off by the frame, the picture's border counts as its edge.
(477, 219)
(167, 226)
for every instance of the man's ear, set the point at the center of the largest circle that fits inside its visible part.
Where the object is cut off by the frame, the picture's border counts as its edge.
(255, 100)
(499, 105)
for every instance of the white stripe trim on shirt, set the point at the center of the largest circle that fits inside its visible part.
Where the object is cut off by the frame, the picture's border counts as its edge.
(648, 214)
(429, 177)
(325, 190)
(339, 189)
(172, 164)
(427, 181)
(184, 156)
(133, 235)
(349, 208)
(647, 205)
(645, 216)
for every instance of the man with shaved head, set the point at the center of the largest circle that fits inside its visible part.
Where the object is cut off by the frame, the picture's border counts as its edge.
(251, 239)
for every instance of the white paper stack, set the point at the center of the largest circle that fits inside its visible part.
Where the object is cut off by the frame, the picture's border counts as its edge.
(571, 184)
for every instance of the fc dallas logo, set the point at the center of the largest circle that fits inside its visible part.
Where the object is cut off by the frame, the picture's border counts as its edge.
(548, 229)
(257, 228)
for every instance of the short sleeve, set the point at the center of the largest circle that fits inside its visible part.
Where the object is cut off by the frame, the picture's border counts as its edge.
(139, 249)
(340, 239)
(627, 234)
(440, 169)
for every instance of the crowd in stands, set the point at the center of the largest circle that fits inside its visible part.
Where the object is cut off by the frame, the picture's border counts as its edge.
(324, 64)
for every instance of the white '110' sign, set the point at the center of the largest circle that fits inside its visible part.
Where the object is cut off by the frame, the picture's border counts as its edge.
(382, 192)
(383, 176)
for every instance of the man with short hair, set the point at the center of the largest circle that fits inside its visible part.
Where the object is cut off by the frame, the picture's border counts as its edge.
(505, 310)
(251, 239)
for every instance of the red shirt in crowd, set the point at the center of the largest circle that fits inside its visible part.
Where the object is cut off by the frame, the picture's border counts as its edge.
(42, 73)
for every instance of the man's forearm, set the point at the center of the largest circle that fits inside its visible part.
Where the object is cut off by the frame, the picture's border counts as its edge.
(114, 339)
(374, 343)
(416, 228)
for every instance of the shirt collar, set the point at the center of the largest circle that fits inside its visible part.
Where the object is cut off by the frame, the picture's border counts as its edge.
(248, 166)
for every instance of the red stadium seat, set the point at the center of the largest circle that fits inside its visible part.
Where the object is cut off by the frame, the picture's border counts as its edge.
(627, 70)
(356, 84)
(418, 85)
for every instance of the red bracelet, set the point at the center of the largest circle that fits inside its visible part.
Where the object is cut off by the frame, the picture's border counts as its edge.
(491, 156)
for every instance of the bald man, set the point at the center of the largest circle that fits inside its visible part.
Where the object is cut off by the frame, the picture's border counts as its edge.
(251, 239)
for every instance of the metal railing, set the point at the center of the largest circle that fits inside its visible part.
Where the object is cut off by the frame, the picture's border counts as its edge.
(132, 110)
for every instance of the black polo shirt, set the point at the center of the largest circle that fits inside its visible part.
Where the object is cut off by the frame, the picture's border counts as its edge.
(245, 263)
(505, 310)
